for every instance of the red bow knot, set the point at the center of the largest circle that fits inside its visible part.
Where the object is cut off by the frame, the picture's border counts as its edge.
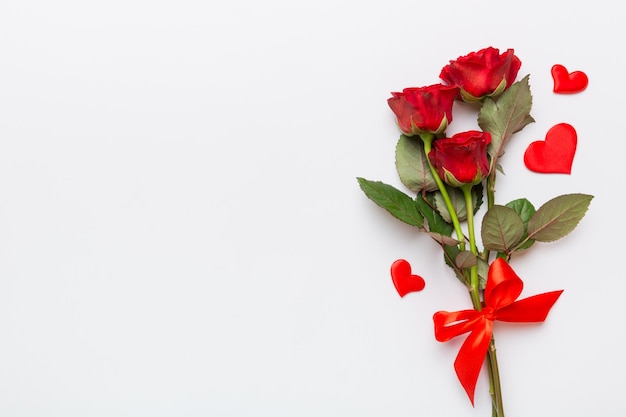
(502, 289)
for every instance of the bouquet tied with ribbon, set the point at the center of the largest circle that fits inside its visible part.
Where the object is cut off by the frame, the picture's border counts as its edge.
(451, 178)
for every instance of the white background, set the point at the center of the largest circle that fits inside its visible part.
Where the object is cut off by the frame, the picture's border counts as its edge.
(182, 234)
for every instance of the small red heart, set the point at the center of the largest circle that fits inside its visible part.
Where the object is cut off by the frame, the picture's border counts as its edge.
(554, 155)
(566, 82)
(403, 280)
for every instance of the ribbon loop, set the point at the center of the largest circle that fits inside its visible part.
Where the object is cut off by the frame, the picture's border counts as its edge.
(449, 325)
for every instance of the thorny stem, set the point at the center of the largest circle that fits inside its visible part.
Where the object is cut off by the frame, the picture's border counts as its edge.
(492, 361)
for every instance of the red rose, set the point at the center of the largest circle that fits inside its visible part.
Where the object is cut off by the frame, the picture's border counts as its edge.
(423, 109)
(462, 158)
(483, 73)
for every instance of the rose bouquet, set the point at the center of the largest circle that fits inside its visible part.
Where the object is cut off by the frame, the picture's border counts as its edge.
(451, 178)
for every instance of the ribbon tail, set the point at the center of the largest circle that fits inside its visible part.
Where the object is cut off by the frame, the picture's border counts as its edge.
(531, 309)
(471, 356)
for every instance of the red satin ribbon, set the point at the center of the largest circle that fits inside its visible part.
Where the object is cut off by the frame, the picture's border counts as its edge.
(502, 289)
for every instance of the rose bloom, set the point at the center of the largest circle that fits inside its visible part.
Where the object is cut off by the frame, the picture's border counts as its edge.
(483, 73)
(462, 158)
(423, 109)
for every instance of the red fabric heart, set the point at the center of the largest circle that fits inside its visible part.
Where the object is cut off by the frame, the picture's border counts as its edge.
(554, 155)
(403, 280)
(566, 82)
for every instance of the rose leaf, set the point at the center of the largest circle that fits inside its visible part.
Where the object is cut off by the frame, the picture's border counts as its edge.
(505, 115)
(525, 210)
(412, 165)
(558, 217)
(397, 203)
(501, 229)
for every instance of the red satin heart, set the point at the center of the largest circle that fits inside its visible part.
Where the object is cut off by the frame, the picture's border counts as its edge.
(555, 155)
(403, 280)
(566, 82)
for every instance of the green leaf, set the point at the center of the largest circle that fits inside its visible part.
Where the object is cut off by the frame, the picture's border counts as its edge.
(558, 217)
(436, 223)
(458, 202)
(505, 115)
(398, 204)
(412, 165)
(525, 210)
(450, 254)
(523, 207)
(501, 229)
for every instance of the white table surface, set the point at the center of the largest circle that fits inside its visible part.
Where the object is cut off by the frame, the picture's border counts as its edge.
(182, 234)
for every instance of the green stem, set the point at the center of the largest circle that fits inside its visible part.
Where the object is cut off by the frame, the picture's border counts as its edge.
(427, 138)
(474, 282)
(492, 361)
(494, 380)
(491, 190)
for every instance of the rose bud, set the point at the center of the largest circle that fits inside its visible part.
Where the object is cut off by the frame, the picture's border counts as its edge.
(485, 73)
(423, 109)
(462, 158)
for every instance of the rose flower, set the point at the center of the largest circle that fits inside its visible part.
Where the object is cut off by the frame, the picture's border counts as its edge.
(483, 73)
(423, 109)
(462, 158)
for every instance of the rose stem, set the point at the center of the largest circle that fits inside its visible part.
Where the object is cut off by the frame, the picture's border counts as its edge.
(492, 362)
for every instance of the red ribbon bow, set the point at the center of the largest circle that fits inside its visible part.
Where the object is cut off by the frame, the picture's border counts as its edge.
(502, 289)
